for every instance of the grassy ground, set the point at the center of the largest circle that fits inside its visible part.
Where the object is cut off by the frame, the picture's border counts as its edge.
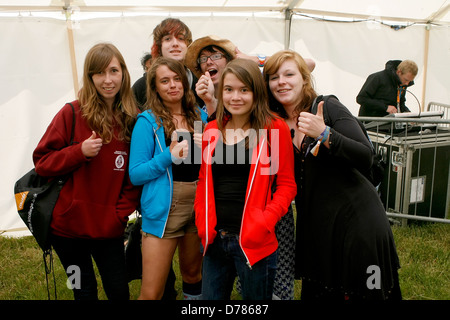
(423, 248)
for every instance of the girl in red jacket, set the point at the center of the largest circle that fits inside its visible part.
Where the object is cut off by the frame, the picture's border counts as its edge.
(92, 210)
(244, 151)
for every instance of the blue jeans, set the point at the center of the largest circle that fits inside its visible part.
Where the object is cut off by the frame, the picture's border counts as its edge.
(110, 260)
(224, 260)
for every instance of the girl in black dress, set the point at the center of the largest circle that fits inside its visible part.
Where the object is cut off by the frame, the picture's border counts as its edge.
(344, 245)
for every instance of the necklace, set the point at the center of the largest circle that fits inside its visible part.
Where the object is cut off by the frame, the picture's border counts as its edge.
(178, 114)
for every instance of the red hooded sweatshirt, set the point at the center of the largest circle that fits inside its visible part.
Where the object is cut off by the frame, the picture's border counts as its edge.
(262, 210)
(98, 197)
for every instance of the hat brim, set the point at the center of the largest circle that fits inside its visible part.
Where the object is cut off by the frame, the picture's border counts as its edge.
(198, 45)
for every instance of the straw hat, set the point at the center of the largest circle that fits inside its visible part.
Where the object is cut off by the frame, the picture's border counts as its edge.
(194, 49)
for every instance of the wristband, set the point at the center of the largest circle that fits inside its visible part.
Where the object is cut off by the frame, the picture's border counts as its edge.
(320, 139)
(325, 134)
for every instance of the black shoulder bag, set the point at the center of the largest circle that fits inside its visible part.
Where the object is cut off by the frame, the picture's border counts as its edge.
(36, 197)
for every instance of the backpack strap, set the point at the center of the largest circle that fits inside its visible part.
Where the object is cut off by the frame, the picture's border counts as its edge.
(73, 124)
(315, 103)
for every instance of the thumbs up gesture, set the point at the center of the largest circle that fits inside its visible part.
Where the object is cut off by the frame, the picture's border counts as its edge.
(179, 150)
(310, 124)
(91, 146)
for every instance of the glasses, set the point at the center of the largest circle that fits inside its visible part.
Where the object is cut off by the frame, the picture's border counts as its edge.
(215, 56)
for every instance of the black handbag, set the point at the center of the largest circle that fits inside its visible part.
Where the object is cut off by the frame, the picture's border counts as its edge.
(36, 197)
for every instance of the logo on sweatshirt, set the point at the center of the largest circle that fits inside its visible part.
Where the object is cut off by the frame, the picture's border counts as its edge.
(120, 160)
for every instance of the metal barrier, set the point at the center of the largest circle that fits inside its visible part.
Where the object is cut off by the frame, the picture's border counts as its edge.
(416, 183)
(445, 108)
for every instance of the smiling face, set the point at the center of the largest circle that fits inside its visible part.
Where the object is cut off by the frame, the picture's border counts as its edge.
(286, 84)
(237, 97)
(109, 81)
(169, 86)
(214, 67)
(174, 46)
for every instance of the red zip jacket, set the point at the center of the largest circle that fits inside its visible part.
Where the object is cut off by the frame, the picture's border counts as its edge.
(261, 210)
(98, 197)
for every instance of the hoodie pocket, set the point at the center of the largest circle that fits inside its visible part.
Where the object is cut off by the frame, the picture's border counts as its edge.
(89, 220)
(255, 231)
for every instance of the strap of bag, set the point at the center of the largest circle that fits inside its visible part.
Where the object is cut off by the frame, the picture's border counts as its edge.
(325, 113)
(316, 103)
(73, 124)
(49, 267)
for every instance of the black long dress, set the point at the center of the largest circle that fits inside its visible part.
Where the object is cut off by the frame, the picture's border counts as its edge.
(344, 244)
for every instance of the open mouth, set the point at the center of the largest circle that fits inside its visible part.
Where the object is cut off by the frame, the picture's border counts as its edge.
(212, 72)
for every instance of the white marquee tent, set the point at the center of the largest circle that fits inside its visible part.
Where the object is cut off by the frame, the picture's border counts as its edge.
(43, 44)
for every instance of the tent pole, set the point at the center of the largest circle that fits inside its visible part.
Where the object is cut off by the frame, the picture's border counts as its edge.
(73, 60)
(287, 28)
(425, 63)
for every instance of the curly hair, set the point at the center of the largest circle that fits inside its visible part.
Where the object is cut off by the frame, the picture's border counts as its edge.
(155, 104)
(98, 115)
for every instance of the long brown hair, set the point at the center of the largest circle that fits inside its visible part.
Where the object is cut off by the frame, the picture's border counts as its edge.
(94, 109)
(163, 114)
(272, 65)
(248, 73)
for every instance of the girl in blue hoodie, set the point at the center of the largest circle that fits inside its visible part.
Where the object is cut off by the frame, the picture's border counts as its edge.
(168, 168)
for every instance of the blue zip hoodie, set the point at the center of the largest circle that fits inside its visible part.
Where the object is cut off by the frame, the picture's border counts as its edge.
(151, 166)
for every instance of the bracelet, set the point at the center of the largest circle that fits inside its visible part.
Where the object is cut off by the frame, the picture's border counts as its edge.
(261, 60)
(320, 139)
(325, 134)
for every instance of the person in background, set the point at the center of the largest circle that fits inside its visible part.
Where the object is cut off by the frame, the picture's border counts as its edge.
(343, 234)
(168, 188)
(146, 61)
(170, 39)
(244, 150)
(384, 91)
(139, 87)
(92, 210)
(206, 58)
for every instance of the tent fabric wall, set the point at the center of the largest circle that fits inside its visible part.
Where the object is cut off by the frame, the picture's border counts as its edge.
(35, 81)
(36, 77)
(438, 81)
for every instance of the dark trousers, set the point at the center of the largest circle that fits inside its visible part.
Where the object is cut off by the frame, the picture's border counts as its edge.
(224, 260)
(76, 257)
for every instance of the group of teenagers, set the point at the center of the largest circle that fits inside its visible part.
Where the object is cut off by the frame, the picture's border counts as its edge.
(213, 155)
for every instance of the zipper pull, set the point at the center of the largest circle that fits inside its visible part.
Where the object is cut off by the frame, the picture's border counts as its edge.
(249, 265)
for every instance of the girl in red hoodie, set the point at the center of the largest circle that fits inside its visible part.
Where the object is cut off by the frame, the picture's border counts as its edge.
(92, 210)
(244, 151)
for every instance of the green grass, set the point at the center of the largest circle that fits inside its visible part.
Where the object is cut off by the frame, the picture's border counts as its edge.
(423, 248)
(424, 251)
